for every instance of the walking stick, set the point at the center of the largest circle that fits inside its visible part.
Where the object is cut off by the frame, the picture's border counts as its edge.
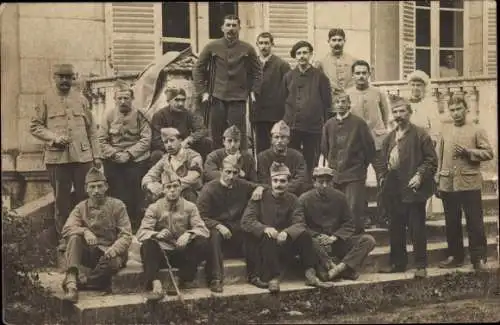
(172, 278)
(211, 81)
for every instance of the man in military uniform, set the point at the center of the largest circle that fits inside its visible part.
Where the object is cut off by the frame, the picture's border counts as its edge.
(125, 138)
(98, 233)
(64, 122)
(232, 140)
(172, 225)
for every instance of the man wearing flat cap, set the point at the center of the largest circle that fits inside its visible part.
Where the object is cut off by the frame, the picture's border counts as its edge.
(221, 204)
(232, 141)
(329, 220)
(410, 163)
(277, 233)
(125, 137)
(193, 132)
(172, 225)
(98, 235)
(307, 94)
(64, 122)
(279, 152)
(185, 162)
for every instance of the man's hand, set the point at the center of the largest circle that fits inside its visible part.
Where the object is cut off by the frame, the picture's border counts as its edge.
(121, 157)
(89, 237)
(98, 163)
(204, 97)
(252, 96)
(257, 193)
(332, 239)
(242, 173)
(155, 188)
(62, 140)
(415, 182)
(460, 151)
(271, 232)
(183, 240)
(110, 253)
(163, 234)
(282, 236)
(224, 231)
(187, 142)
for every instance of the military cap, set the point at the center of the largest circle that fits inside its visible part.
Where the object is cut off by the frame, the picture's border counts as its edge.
(168, 132)
(322, 171)
(64, 69)
(280, 128)
(94, 175)
(397, 101)
(169, 176)
(232, 132)
(172, 92)
(232, 160)
(279, 169)
(336, 32)
(299, 45)
(419, 75)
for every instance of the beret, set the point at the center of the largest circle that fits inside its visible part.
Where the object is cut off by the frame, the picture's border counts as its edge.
(298, 45)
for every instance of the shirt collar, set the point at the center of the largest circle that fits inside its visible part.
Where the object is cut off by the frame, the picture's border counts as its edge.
(95, 205)
(172, 206)
(180, 154)
(306, 70)
(225, 184)
(341, 118)
(263, 60)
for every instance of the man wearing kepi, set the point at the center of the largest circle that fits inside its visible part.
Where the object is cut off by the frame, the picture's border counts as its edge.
(329, 219)
(98, 234)
(461, 148)
(185, 162)
(171, 227)
(64, 122)
(278, 232)
(348, 146)
(125, 138)
(234, 73)
(232, 141)
(307, 94)
(279, 152)
(221, 204)
(410, 164)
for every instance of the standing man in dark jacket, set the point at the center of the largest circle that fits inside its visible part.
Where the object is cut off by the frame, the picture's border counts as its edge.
(235, 72)
(307, 95)
(269, 107)
(349, 147)
(410, 163)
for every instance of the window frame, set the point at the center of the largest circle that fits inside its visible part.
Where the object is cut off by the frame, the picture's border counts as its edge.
(193, 25)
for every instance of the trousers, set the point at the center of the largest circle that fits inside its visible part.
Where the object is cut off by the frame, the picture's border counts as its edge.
(355, 193)
(309, 144)
(262, 135)
(224, 114)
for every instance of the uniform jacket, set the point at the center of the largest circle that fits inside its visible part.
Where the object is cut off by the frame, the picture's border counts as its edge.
(462, 173)
(70, 115)
(276, 212)
(109, 222)
(338, 70)
(237, 70)
(182, 217)
(128, 133)
(213, 165)
(327, 214)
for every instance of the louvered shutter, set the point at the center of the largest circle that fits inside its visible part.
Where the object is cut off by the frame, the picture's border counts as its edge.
(475, 39)
(491, 47)
(288, 24)
(134, 30)
(407, 38)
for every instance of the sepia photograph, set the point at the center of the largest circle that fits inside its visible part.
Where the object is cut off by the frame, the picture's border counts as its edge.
(321, 162)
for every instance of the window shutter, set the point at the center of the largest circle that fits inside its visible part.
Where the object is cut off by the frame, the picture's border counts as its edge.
(491, 46)
(288, 24)
(407, 38)
(134, 30)
(475, 51)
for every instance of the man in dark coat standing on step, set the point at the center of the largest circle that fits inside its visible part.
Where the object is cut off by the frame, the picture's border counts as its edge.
(269, 107)
(234, 74)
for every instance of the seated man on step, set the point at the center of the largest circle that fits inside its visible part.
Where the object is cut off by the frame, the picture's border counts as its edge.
(98, 234)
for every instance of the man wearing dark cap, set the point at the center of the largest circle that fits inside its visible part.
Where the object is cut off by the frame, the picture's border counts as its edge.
(98, 234)
(125, 138)
(65, 123)
(234, 73)
(193, 132)
(213, 163)
(277, 232)
(307, 94)
(410, 163)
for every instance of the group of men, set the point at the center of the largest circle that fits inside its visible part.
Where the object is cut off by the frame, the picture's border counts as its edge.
(192, 194)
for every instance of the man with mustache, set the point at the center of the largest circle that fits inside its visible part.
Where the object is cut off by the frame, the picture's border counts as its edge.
(236, 73)
(176, 115)
(64, 122)
(185, 162)
(410, 163)
(98, 234)
(269, 107)
(125, 138)
(232, 141)
(306, 91)
(279, 152)
(277, 232)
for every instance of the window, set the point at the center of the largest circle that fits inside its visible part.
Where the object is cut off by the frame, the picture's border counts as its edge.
(216, 13)
(176, 30)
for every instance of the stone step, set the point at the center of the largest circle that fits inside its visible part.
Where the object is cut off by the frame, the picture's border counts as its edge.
(202, 306)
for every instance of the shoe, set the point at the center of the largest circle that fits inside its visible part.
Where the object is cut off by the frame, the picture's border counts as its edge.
(420, 274)
(393, 269)
(349, 274)
(216, 286)
(480, 265)
(154, 296)
(451, 262)
(322, 275)
(71, 293)
(335, 272)
(256, 281)
(171, 288)
(313, 281)
(274, 285)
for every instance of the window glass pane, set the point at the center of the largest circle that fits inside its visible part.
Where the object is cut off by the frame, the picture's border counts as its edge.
(423, 27)
(216, 13)
(451, 28)
(176, 19)
(423, 60)
(423, 3)
(451, 3)
(171, 46)
(450, 63)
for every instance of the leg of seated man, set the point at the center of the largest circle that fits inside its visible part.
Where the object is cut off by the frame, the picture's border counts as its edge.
(152, 261)
(270, 257)
(215, 260)
(77, 254)
(188, 259)
(353, 251)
